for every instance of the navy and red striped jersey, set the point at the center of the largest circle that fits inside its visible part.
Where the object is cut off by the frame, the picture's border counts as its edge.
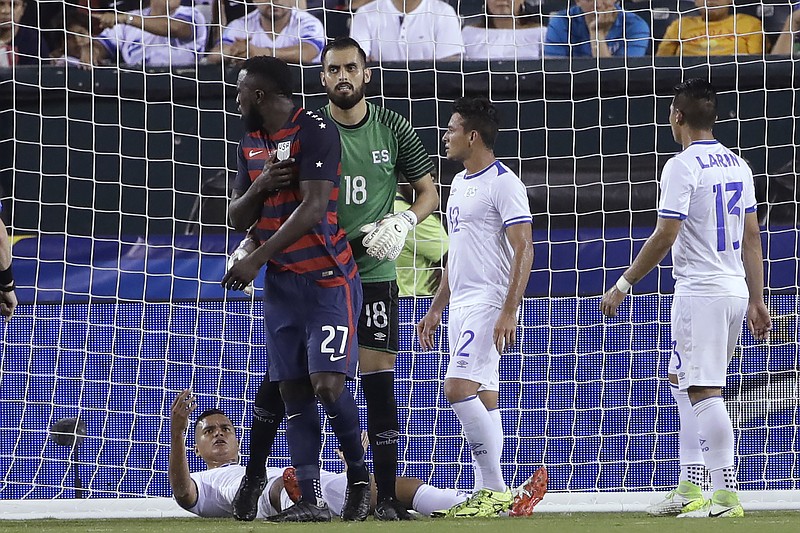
(323, 254)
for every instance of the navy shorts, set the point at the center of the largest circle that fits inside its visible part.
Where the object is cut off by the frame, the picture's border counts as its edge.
(310, 328)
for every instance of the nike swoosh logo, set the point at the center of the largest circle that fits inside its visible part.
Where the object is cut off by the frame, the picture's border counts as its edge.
(254, 152)
(293, 416)
(335, 358)
(717, 515)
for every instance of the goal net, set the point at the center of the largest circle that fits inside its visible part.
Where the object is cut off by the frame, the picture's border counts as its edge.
(115, 186)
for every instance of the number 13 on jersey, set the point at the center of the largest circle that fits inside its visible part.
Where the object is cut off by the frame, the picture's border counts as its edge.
(732, 192)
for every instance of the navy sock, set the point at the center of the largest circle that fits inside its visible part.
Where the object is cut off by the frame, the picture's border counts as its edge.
(268, 413)
(343, 417)
(383, 429)
(305, 441)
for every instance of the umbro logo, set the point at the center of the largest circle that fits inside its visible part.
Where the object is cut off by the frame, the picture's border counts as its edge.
(380, 336)
(254, 153)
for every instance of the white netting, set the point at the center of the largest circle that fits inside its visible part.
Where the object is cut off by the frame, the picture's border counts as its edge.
(117, 184)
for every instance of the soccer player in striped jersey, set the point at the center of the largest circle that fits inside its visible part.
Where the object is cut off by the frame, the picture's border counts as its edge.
(490, 258)
(707, 215)
(312, 292)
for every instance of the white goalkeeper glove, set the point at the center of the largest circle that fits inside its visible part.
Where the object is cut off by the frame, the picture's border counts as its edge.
(237, 255)
(386, 237)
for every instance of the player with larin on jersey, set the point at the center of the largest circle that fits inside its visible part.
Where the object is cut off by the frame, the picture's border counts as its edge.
(707, 215)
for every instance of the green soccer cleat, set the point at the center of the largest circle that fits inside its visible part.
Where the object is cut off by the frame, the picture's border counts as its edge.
(723, 504)
(687, 497)
(485, 504)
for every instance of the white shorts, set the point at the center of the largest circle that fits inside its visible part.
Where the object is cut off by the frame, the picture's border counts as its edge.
(705, 330)
(473, 355)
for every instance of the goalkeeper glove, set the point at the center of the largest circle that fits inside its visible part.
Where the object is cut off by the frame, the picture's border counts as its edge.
(386, 237)
(238, 254)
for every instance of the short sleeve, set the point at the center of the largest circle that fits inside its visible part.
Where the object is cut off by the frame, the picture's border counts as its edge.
(110, 38)
(637, 35)
(556, 39)
(677, 185)
(449, 41)
(511, 200)
(234, 30)
(668, 45)
(320, 154)
(359, 31)
(413, 160)
(750, 202)
(242, 182)
(312, 32)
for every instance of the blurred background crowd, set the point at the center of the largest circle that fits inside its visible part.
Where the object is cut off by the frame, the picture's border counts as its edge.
(185, 33)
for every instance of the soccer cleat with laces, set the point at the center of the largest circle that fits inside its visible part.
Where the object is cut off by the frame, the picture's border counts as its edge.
(485, 504)
(303, 511)
(723, 504)
(291, 485)
(390, 509)
(687, 497)
(529, 494)
(356, 502)
(245, 502)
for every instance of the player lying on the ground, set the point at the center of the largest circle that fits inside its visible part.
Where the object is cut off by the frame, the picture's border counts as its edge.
(210, 493)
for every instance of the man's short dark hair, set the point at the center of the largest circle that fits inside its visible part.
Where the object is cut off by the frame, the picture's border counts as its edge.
(273, 71)
(480, 115)
(205, 414)
(697, 100)
(343, 43)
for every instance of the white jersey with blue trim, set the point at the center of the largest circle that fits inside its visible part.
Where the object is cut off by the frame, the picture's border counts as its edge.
(710, 188)
(216, 488)
(480, 208)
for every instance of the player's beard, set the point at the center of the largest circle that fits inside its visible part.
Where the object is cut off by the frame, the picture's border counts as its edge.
(346, 101)
(253, 121)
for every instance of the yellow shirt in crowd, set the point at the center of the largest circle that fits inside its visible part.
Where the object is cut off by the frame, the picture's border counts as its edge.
(736, 34)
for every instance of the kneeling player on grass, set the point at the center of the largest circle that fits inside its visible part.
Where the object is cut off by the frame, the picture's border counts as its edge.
(210, 493)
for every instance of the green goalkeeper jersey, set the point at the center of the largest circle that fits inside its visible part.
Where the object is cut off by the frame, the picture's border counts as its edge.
(375, 153)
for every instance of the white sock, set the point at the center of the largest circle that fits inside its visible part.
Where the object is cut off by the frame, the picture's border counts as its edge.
(481, 431)
(689, 453)
(716, 440)
(428, 499)
(498, 427)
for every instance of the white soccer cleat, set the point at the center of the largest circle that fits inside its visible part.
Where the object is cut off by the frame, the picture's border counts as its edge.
(687, 497)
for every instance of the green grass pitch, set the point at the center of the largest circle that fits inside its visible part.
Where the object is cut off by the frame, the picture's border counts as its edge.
(761, 522)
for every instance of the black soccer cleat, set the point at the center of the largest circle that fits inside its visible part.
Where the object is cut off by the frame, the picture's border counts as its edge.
(245, 503)
(390, 509)
(356, 502)
(303, 511)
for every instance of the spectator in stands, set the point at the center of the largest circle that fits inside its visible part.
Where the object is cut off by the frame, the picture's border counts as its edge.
(75, 46)
(19, 45)
(408, 30)
(712, 30)
(596, 28)
(419, 266)
(163, 34)
(275, 28)
(508, 31)
(787, 42)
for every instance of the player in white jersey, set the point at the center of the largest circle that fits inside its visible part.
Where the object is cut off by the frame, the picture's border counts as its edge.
(210, 493)
(491, 252)
(707, 215)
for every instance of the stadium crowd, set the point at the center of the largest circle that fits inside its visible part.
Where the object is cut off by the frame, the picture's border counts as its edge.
(185, 33)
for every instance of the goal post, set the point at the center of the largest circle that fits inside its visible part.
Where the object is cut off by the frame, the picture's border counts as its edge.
(117, 184)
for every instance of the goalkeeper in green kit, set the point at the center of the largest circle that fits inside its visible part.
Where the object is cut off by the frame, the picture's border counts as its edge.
(378, 146)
